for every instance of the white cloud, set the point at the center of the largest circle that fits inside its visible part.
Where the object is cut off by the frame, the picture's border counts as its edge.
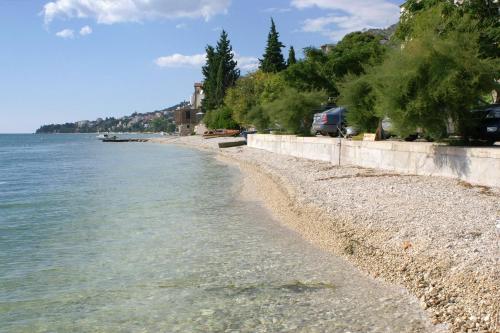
(348, 16)
(66, 33)
(177, 60)
(277, 10)
(115, 11)
(181, 26)
(86, 30)
(247, 64)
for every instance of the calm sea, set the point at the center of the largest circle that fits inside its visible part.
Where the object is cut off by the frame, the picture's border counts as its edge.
(98, 237)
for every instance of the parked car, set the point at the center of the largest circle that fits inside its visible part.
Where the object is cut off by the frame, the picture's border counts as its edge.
(489, 124)
(388, 131)
(331, 121)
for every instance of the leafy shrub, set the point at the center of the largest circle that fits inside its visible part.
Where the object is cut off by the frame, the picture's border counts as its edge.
(436, 77)
(294, 110)
(220, 118)
(357, 94)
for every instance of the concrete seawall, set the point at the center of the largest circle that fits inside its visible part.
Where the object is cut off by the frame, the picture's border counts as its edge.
(479, 166)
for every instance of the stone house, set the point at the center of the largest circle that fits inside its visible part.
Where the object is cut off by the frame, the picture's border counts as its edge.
(186, 118)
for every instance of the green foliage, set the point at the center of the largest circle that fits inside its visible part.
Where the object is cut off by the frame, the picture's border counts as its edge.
(320, 71)
(220, 72)
(436, 77)
(59, 128)
(358, 95)
(259, 118)
(245, 99)
(220, 118)
(209, 71)
(484, 12)
(354, 53)
(273, 61)
(294, 110)
(447, 61)
(405, 29)
(161, 124)
(291, 57)
(244, 96)
(311, 74)
(287, 99)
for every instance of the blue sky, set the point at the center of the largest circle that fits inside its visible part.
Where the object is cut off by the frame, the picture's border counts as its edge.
(69, 60)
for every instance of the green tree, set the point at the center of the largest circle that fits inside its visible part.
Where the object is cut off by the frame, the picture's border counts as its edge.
(220, 118)
(319, 71)
(273, 61)
(354, 53)
(311, 73)
(209, 71)
(220, 72)
(245, 99)
(244, 96)
(358, 95)
(291, 57)
(294, 110)
(485, 12)
(161, 124)
(437, 77)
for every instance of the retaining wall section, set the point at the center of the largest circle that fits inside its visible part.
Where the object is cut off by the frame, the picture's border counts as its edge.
(479, 166)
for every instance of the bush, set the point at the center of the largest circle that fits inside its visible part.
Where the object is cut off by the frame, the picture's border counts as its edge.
(294, 110)
(357, 94)
(435, 77)
(220, 118)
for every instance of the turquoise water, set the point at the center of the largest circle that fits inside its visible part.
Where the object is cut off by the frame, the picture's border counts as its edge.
(138, 237)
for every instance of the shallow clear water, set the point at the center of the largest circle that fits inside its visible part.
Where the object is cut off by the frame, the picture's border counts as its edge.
(137, 237)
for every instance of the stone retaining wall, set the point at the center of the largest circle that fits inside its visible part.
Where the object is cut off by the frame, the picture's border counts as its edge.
(479, 166)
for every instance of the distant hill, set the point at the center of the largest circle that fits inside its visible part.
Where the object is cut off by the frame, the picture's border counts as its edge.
(159, 120)
(386, 33)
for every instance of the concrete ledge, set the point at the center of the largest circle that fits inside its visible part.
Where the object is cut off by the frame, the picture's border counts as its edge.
(475, 165)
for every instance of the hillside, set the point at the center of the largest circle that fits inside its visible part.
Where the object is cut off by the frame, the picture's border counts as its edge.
(159, 120)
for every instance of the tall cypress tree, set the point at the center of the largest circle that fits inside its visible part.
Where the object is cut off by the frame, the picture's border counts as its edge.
(291, 57)
(220, 72)
(273, 60)
(227, 72)
(209, 72)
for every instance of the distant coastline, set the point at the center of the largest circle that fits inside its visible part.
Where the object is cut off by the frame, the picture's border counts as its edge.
(155, 121)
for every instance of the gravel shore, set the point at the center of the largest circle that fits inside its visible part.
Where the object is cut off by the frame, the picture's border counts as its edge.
(436, 237)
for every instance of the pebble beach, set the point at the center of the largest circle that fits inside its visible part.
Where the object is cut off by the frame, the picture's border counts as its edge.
(436, 237)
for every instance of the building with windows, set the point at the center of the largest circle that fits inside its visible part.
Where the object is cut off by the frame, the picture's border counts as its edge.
(187, 117)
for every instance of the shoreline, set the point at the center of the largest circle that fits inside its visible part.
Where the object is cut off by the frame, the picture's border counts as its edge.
(454, 273)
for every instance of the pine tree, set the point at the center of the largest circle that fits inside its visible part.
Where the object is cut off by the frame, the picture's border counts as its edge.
(219, 88)
(209, 72)
(227, 71)
(273, 60)
(220, 72)
(291, 57)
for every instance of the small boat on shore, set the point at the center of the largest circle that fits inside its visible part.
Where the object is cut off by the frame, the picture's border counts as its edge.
(220, 133)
